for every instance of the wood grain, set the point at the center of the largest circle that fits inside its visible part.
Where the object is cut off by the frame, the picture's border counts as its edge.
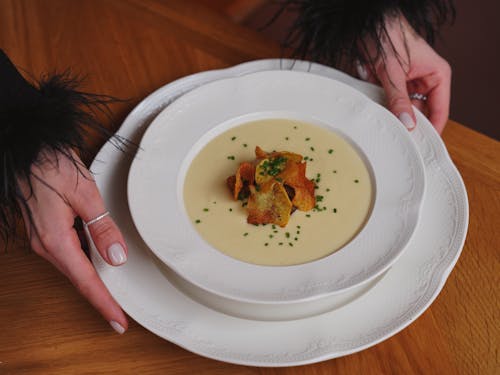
(129, 48)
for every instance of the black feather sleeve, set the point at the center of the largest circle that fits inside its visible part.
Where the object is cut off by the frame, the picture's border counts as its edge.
(335, 31)
(49, 115)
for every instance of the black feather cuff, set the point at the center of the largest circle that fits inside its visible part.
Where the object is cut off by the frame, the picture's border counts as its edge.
(335, 31)
(50, 115)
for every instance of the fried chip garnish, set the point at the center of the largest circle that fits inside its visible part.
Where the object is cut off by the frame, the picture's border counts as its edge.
(295, 176)
(269, 204)
(261, 154)
(275, 184)
(245, 173)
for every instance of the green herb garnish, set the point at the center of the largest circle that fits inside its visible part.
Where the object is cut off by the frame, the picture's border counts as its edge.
(274, 166)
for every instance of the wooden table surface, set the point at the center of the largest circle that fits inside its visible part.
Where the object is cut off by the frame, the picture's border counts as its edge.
(129, 48)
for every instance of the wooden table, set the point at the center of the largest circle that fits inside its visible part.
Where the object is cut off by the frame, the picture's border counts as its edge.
(128, 48)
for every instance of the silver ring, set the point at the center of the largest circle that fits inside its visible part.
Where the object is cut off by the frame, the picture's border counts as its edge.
(96, 219)
(417, 96)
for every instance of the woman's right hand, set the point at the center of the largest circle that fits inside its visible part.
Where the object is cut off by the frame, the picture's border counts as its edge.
(61, 192)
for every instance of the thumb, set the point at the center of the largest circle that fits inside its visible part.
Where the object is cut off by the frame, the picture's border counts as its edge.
(393, 80)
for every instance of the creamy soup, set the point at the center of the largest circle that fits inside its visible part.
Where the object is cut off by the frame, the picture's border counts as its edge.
(343, 194)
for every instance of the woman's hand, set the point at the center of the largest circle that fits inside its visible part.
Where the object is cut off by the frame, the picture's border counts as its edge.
(60, 193)
(410, 66)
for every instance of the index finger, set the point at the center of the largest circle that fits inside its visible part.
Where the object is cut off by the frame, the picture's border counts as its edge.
(393, 80)
(83, 275)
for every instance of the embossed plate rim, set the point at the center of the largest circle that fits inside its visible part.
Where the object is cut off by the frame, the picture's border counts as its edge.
(156, 305)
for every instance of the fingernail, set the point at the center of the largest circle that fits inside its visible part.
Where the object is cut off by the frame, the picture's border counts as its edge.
(362, 73)
(407, 121)
(117, 327)
(116, 254)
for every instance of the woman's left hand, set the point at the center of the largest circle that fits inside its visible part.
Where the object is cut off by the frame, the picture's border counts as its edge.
(410, 66)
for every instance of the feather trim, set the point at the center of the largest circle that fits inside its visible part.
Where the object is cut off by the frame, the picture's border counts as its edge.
(50, 115)
(335, 31)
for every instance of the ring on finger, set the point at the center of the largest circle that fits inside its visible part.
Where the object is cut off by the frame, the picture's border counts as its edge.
(96, 219)
(418, 96)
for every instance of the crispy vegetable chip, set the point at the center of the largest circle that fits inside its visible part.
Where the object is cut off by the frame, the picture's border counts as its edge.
(244, 174)
(295, 176)
(261, 154)
(270, 204)
(275, 184)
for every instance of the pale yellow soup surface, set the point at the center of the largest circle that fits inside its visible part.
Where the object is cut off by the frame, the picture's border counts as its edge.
(343, 183)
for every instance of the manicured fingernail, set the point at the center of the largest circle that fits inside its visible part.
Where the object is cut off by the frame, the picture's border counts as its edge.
(117, 327)
(362, 73)
(116, 254)
(407, 121)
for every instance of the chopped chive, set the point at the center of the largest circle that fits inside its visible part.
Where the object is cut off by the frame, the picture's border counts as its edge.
(205, 209)
(230, 210)
(327, 189)
(295, 127)
(245, 234)
(281, 243)
(271, 236)
(306, 158)
(319, 198)
(308, 139)
(291, 244)
(266, 244)
(298, 226)
(286, 138)
(307, 215)
(311, 159)
(273, 226)
(356, 181)
(198, 221)
(245, 145)
(275, 231)
(334, 171)
(330, 151)
(233, 138)
(334, 210)
(298, 232)
(230, 157)
(296, 239)
(312, 148)
(287, 234)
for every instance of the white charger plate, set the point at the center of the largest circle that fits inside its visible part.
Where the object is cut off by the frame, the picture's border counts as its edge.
(182, 129)
(404, 293)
